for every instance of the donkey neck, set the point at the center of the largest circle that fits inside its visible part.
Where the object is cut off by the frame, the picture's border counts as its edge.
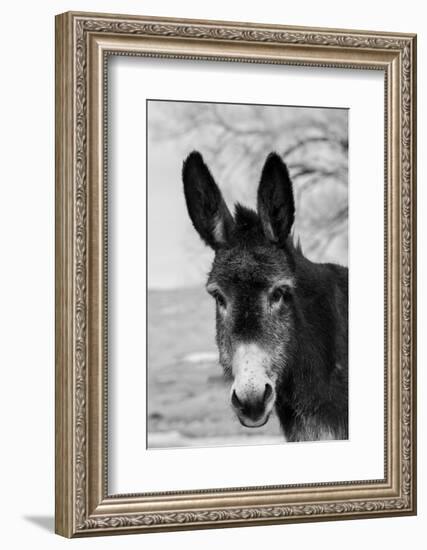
(316, 368)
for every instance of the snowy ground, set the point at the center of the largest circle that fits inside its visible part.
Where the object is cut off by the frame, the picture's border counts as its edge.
(188, 400)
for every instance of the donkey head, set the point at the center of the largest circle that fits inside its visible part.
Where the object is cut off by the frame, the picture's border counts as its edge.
(252, 281)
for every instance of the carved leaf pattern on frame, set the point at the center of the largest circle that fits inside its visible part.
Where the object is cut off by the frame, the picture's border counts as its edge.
(210, 31)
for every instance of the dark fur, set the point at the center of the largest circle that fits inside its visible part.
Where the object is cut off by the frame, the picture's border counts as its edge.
(307, 335)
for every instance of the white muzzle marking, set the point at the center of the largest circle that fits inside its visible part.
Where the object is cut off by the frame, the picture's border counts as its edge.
(252, 392)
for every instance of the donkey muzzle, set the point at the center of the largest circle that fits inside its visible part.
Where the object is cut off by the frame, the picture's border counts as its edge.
(252, 392)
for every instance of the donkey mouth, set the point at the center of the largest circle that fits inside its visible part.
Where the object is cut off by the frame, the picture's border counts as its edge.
(254, 412)
(250, 423)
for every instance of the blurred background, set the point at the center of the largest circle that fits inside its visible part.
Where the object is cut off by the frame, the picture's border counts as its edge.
(188, 401)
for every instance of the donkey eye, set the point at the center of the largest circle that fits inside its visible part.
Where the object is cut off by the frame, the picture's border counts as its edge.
(220, 300)
(276, 296)
(279, 295)
(217, 295)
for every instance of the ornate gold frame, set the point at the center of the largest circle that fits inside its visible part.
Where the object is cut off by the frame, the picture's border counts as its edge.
(83, 506)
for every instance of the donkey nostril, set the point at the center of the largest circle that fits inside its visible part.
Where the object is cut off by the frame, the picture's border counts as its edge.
(235, 401)
(268, 392)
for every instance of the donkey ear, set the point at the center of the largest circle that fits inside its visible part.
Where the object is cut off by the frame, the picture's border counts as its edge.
(206, 206)
(276, 207)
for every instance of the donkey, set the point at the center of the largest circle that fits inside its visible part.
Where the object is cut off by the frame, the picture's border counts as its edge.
(281, 320)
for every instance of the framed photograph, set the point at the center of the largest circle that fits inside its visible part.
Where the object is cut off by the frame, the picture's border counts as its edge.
(235, 274)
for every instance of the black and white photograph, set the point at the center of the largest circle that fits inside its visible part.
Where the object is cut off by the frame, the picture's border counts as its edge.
(247, 274)
(212, 243)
